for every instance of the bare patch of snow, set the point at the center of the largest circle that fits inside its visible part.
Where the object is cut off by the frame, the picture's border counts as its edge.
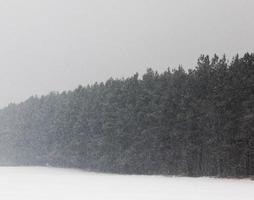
(38, 183)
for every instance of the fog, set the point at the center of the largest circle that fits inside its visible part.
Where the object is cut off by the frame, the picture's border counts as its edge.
(55, 45)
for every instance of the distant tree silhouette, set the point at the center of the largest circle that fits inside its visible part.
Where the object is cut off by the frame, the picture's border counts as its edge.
(198, 122)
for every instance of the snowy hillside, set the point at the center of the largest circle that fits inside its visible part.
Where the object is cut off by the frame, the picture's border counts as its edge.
(53, 184)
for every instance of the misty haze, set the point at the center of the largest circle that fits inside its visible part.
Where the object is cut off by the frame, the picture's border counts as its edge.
(96, 91)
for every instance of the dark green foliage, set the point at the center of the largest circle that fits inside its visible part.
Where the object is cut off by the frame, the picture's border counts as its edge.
(195, 123)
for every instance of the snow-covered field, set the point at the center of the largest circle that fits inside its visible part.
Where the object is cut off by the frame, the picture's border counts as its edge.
(37, 183)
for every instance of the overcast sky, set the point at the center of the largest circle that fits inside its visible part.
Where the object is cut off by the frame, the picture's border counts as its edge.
(55, 45)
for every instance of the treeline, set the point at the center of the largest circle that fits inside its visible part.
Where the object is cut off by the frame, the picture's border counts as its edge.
(198, 122)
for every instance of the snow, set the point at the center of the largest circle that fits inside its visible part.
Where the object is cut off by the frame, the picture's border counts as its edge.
(37, 183)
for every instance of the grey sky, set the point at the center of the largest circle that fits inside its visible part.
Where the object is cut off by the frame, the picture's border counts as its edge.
(56, 45)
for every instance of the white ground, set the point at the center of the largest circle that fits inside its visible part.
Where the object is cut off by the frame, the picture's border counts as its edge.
(53, 184)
